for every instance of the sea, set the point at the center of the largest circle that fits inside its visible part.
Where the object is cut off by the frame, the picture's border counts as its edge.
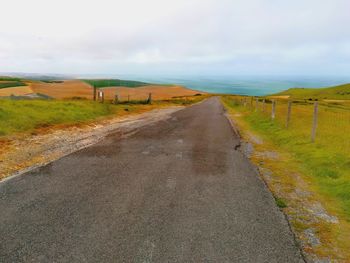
(243, 85)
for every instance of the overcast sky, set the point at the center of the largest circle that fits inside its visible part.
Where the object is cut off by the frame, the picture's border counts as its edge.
(176, 37)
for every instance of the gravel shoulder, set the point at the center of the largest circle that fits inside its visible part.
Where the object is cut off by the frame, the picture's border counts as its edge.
(28, 151)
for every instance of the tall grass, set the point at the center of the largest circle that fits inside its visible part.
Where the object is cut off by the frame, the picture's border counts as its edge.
(327, 160)
(24, 115)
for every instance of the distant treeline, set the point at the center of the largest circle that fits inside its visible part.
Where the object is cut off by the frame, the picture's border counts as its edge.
(5, 78)
(11, 84)
(100, 83)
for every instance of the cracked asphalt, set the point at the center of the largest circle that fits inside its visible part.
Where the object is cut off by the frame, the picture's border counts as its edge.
(172, 191)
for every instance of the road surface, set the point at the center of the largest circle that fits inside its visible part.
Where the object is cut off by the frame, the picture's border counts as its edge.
(173, 191)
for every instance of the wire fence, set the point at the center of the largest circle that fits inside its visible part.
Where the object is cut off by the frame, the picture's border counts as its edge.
(115, 98)
(324, 123)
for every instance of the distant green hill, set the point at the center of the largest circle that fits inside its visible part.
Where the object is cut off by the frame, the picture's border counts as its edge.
(101, 83)
(6, 78)
(341, 92)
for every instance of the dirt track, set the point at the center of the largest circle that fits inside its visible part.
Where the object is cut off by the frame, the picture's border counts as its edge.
(173, 191)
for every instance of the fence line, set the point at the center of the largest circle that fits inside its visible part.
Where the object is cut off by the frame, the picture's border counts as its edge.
(322, 119)
(100, 97)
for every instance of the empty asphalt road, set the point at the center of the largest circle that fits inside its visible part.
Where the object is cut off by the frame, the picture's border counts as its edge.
(173, 191)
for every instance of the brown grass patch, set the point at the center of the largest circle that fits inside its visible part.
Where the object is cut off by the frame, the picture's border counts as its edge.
(17, 91)
(279, 97)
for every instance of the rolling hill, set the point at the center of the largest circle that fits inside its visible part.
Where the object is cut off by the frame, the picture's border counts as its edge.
(341, 92)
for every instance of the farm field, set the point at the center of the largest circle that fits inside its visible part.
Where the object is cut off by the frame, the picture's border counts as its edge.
(158, 92)
(65, 90)
(72, 101)
(323, 164)
(68, 89)
(9, 82)
(17, 91)
(28, 115)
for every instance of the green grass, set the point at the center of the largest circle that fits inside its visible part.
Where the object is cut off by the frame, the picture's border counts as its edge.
(100, 83)
(27, 115)
(341, 92)
(327, 161)
(10, 84)
(23, 115)
(280, 202)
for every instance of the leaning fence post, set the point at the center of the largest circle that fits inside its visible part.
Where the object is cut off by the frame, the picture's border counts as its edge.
(289, 111)
(273, 112)
(314, 122)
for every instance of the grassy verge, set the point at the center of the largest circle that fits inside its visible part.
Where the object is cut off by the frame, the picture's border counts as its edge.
(323, 166)
(28, 115)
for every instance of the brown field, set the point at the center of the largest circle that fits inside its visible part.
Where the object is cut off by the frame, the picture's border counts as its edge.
(76, 88)
(17, 91)
(67, 89)
(158, 92)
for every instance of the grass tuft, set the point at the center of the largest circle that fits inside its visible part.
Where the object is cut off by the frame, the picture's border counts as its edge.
(280, 202)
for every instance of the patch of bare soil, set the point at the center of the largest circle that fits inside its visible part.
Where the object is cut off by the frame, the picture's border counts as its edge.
(24, 152)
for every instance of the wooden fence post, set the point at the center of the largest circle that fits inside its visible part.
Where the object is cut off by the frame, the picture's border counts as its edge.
(273, 112)
(102, 97)
(94, 92)
(263, 105)
(116, 99)
(251, 102)
(314, 122)
(256, 104)
(289, 111)
(149, 101)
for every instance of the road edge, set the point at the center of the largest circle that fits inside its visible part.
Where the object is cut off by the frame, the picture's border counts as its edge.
(235, 129)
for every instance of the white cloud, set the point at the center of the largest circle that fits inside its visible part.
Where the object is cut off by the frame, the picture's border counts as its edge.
(152, 36)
